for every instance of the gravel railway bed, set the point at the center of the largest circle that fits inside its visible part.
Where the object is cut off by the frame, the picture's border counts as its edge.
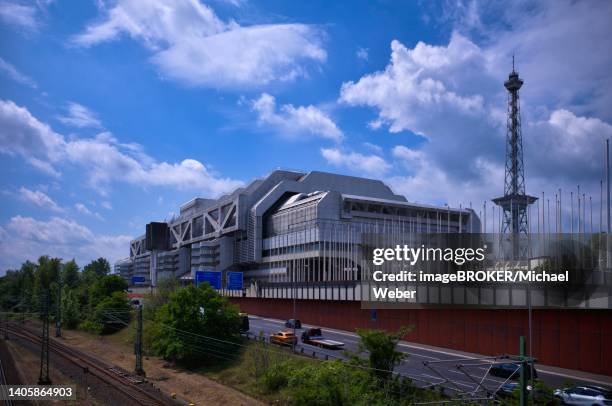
(107, 383)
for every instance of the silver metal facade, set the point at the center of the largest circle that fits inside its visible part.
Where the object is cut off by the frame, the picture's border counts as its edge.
(289, 228)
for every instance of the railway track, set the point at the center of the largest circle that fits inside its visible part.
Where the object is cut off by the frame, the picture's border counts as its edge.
(3, 381)
(128, 385)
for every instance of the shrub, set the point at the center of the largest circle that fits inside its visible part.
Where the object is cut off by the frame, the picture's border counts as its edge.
(277, 377)
(195, 326)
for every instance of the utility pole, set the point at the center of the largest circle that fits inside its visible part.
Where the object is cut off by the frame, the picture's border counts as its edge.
(43, 378)
(58, 318)
(523, 372)
(138, 344)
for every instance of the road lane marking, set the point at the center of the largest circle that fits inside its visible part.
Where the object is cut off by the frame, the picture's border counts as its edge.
(413, 346)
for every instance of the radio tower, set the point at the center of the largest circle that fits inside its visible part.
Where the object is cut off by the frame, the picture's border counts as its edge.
(514, 203)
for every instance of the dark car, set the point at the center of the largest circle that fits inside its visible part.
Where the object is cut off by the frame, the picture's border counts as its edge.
(512, 371)
(293, 323)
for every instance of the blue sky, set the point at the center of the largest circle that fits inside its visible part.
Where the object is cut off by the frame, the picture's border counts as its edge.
(114, 113)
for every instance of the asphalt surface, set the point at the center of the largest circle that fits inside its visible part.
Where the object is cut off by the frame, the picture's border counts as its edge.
(447, 368)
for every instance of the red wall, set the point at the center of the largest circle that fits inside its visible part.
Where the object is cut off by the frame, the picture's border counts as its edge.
(574, 339)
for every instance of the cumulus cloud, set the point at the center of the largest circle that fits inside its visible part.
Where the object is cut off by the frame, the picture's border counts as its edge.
(370, 165)
(292, 121)
(451, 97)
(24, 238)
(414, 82)
(103, 158)
(14, 74)
(426, 182)
(191, 44)
(561, 49)
(80, 116)
(39, 199)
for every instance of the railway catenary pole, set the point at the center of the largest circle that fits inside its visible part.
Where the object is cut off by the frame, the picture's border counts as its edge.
(43, 378)
(138, 344)
(58, 317)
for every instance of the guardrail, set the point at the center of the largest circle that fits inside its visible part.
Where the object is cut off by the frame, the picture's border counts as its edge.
(299, 349)
(442, 387)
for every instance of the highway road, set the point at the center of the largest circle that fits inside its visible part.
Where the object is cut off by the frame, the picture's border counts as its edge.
(441, 370)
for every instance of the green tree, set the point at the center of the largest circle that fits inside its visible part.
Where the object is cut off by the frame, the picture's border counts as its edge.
(26, 287)
(195, 323)
(165, 287)
(71, 315)
(105, 287)
(381, 348)
(46, 276)
(96, 269)
(70, 275)
(9, 290)
(112, 313)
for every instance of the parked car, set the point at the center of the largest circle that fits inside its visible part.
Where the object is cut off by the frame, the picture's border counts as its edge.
(283, 338)
(512, 371)
(293, 323)
(585, 395)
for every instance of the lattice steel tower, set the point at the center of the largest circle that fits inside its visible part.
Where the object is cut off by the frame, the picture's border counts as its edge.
(515, 201)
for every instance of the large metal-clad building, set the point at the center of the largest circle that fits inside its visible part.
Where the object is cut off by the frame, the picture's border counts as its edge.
(288, 229)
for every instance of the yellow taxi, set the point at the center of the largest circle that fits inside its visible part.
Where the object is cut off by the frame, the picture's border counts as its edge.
(283, 338)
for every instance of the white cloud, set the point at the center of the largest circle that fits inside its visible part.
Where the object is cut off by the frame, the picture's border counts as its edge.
(21, 133)
(453, 96)
(44, 167)
(25, 238)
(370, 165)
(425, 182)
(103, 158)
(39, 199)
(107, 205)
(293, 121)
(416, 81)
(561, 47)
(80, 116)
(19, 15)
(191, 44)
(362, 53)
(572, 144)
(14, 74)
(81, 208)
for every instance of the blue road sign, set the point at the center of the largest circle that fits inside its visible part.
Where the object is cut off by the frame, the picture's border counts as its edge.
(234, 281)
(212, 277)
(138, 279)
